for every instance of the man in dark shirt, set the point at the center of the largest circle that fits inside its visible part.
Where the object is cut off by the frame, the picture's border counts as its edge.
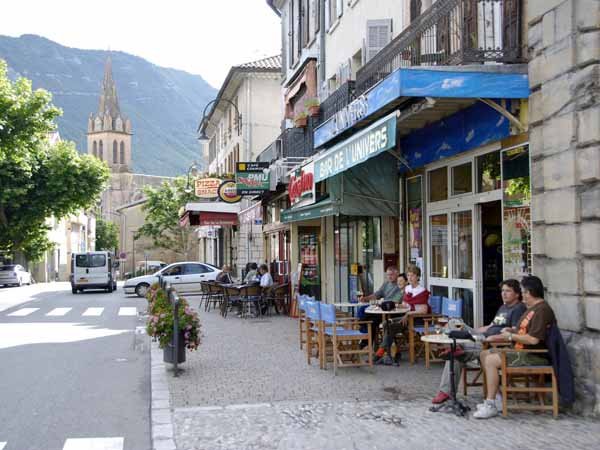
(530, 333)
(507, 316)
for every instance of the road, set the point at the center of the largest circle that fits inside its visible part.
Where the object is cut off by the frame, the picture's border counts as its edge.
(74, 370)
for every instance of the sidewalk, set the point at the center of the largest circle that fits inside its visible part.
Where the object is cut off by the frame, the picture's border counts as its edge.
(249, 387)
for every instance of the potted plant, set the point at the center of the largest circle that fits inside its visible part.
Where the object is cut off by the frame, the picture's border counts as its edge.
(312, 104)
(160, 324)
(301, 119)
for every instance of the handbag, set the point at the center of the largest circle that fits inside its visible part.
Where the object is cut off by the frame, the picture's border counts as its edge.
(388, 305)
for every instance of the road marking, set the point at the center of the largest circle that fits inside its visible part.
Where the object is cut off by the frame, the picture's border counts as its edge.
(93, 312)
(94, 444)
(128, 311)
(23, 312)
(59, 311)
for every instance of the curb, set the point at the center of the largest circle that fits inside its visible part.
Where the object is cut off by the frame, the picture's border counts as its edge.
(161, 414)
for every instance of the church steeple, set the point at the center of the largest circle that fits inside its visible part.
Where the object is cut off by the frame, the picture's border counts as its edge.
(109, 101)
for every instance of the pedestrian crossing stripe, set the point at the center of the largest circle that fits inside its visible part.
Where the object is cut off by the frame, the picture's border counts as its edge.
(23, 312)
(93, 312)
(128, 311)
(94, 444)
(59, 311)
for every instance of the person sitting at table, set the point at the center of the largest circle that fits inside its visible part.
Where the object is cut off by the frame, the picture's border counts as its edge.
(390, 329)
(225, 276)
(251, 273)
(389, 291)
(266, 282)
(530, 333)
(508, 315)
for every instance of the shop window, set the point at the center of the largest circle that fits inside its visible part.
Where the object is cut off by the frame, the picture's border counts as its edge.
(462, 241)
(462, 179)
(438, 184)
(488, 172)
(439, 245)
(414, 221)
(439, 291)
(516, 230)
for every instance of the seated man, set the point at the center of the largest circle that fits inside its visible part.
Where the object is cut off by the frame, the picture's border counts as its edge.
(416, 298)
(530, 333)
(252, 274)
(225, 276)
(508, 315)
(389, 291)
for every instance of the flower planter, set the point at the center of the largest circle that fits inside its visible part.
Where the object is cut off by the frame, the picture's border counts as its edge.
(301, 122)
(169, 351)
(313, 111)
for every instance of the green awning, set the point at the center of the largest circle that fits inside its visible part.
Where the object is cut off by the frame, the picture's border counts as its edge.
(323, 208)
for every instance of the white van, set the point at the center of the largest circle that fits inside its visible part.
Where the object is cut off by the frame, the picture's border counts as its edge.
(92, 270)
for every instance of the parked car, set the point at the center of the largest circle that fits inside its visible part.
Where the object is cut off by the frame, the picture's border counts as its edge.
(184, 276)
(93, 270)
(14, 274)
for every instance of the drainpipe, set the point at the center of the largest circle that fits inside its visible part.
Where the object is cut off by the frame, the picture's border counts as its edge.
(322, 34)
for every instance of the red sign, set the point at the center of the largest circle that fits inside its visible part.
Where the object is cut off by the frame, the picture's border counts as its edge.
(302, 185)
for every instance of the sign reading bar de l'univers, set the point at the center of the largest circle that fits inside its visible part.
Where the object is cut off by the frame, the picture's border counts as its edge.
(252, 178)
(377, 138)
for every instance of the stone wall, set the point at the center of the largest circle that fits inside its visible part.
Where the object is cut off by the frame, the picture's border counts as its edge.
(564, 113)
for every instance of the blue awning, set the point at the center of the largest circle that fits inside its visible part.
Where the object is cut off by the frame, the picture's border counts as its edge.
(467, 83)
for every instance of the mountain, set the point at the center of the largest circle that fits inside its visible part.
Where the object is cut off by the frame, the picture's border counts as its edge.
(164, 105)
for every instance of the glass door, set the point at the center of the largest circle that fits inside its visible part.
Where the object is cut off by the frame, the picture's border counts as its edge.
(452, 257)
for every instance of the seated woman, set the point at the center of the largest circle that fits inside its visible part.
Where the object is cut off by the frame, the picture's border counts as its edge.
(251, 274)
(414, 297)
(225, 276)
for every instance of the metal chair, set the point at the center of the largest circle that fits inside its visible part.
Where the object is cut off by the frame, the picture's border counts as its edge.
(250, 295)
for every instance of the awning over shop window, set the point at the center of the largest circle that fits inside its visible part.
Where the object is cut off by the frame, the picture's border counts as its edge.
(323, 208)
(209, 213)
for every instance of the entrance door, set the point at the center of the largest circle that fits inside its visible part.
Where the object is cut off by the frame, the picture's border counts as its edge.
(451, 256)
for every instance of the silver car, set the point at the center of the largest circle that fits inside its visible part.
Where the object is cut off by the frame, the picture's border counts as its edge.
(14, 275)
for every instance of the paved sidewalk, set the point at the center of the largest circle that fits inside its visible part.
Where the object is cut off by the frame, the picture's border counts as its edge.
(249, 387)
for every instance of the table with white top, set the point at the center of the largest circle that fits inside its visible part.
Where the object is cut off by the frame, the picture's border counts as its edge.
(452, 405)
(376, 309)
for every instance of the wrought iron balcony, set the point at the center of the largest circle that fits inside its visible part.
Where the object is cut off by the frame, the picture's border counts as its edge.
(292, 143)
(338, 100)
(451, 32)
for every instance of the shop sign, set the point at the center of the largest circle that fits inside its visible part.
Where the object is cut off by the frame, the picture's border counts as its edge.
(207, 187)
(228, 192)
(252, 178)
(350, 114)
(372, 141)
(301, 188)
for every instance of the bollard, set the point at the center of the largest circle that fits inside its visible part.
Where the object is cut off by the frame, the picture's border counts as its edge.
(174, 300)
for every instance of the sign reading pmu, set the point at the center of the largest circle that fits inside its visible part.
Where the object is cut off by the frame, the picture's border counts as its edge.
(379, 137)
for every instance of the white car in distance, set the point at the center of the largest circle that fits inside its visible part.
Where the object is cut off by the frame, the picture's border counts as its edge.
(183, 276)
(14, 274)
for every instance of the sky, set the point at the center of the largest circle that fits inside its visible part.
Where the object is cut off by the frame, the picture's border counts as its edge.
(204, 37)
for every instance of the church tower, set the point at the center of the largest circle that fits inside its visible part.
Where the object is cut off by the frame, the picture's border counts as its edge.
(109, 131)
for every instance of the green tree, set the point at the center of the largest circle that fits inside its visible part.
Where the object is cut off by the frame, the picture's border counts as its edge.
(163, 208)
(107, 235)
(38, 180)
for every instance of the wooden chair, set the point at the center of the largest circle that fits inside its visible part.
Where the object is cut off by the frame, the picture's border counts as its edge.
(250, 295)
(278, 298)
(344, 337)
(231, 297)
(312, 323)
(535, 384)
(476, 381)
(450, 309)
(215, 296)
(302, 318)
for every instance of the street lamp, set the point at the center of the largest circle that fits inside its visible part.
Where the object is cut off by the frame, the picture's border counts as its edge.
(193, 170)
(202, 137)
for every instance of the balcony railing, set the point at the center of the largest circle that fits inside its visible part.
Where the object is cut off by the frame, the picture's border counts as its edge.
(451, 32)
(292, 143)
(338, 100)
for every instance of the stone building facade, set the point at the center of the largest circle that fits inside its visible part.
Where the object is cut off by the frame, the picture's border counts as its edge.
(564, 110)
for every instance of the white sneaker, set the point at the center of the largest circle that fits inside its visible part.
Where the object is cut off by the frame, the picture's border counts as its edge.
(486, 411)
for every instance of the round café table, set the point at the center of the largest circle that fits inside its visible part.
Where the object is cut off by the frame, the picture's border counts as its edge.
(452, 405)
(376, 309)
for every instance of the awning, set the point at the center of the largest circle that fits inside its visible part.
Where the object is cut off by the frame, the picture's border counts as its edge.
(209, 213)
(323, 208)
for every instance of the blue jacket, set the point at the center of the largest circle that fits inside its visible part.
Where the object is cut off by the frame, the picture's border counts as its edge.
(559, 356)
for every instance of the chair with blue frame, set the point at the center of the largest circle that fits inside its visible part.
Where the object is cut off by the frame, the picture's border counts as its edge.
(302, 318)
(451, 309)
(345, 337)
(419, 324)
(312, 324)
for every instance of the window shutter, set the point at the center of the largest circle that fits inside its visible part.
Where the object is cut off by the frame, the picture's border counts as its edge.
(339, 7)
(379, 34)
(315, 8)
(327, 14)
(291, 34)
(305, 22)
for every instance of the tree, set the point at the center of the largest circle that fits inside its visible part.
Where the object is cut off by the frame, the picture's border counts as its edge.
(163, 208)
(38, 180)
(107, 235)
